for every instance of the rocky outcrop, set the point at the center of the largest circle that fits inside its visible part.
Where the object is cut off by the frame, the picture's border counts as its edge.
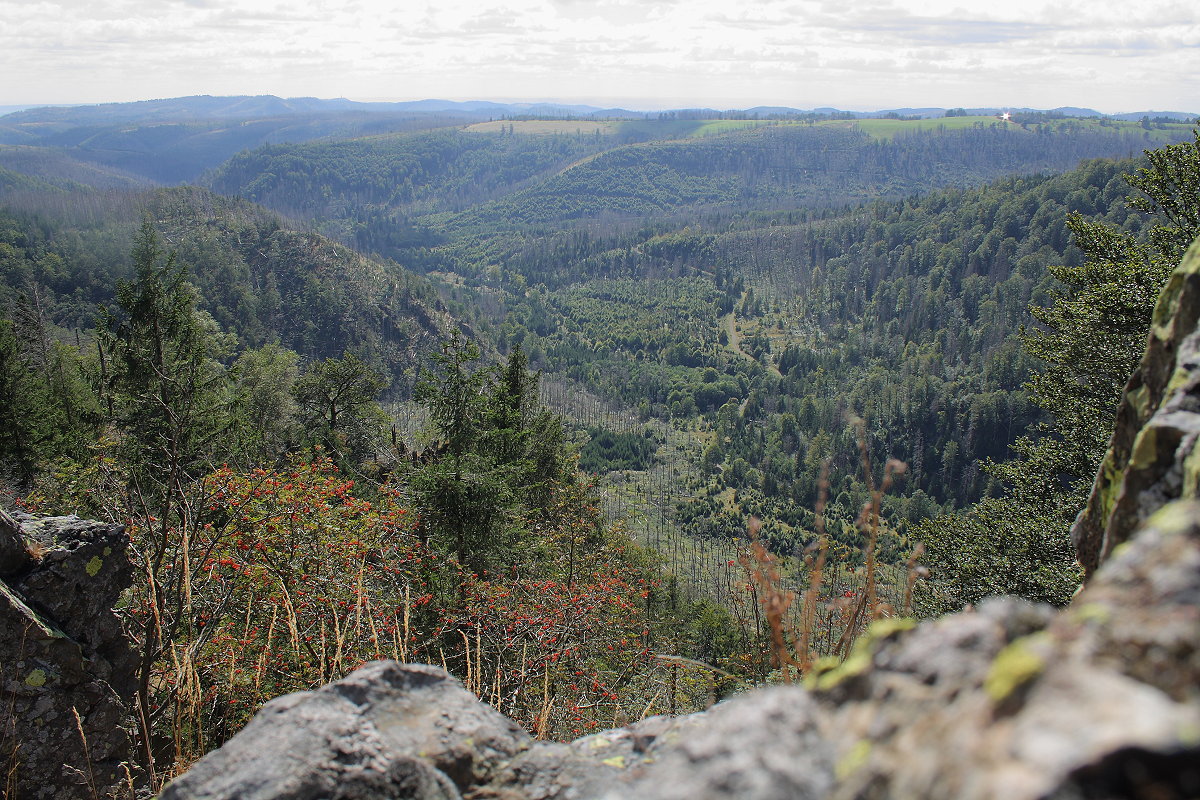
(1152, 457)
(387, 730)
(66, 666)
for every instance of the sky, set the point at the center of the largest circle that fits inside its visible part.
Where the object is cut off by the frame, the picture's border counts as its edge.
(1110, 55)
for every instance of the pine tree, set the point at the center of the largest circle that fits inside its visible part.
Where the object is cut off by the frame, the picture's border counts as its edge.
(24, 426)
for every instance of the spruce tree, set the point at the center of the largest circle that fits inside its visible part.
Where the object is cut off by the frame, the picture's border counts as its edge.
(166, 379)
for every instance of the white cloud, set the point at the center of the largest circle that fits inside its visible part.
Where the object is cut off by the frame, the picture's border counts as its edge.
(871, 53)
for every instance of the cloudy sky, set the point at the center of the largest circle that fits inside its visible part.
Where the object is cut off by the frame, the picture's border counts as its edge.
(1112, 55)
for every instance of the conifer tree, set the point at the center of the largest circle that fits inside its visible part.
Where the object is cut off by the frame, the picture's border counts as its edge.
(23, 423)
(165, 376)
(497, 459)
(463, 493)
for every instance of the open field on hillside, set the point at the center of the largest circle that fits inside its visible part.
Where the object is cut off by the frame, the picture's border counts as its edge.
(887, 128)
(638, 129)
(884, 129)
(546, 127)
(1155, 135)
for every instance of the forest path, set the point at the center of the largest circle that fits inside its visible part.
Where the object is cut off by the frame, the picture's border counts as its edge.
(729, 325)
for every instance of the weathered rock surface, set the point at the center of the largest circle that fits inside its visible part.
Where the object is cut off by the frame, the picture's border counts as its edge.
(1011, 701)
(1152, 457)
(66, 666)
(387, 730)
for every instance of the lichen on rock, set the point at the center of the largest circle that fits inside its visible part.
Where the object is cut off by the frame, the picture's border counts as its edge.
(66, 679)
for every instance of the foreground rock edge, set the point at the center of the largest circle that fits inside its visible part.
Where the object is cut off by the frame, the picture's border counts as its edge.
(1011, 700)
(66, 665)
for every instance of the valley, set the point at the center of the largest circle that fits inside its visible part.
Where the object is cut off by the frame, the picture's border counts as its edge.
(570, 393)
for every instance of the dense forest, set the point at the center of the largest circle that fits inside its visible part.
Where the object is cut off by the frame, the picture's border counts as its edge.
(608, 421)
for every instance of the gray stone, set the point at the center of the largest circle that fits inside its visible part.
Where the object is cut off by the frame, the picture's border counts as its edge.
(386, 730)
(592, 765)
(766, 745)
(66, 680)
(14, 553)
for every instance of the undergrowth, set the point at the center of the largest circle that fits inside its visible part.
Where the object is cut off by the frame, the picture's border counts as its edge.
(826, 616)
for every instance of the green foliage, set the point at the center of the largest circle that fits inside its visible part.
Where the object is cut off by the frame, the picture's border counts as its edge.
(398, 195)
(264, 380)
(254, 578)
(23, 397)
(164, 375)
(1013, 545)
(1168, 190)
(336, 400)
(48, 410)
(1089, 340)
(258, 280)
(606, 451)
(497, 460)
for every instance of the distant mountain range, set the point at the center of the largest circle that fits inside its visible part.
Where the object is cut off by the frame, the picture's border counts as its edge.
(206, 107)
(177, 140)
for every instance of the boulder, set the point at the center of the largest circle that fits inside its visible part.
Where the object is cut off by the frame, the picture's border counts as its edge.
(386, 730)
(66, 681)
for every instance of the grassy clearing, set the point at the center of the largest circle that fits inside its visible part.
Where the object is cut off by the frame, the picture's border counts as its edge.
(885, 129)
(1155, 134)
(640, 129)
(718, 126)
(546, 127)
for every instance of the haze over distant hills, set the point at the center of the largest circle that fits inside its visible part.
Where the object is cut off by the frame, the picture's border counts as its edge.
(179, 140)
(206, 107)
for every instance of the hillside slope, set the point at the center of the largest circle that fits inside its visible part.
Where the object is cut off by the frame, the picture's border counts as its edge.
(257, 278)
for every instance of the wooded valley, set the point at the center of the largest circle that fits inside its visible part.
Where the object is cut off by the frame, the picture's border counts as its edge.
(609, 420)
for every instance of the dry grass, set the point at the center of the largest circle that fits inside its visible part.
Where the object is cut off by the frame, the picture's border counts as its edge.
(826, 623)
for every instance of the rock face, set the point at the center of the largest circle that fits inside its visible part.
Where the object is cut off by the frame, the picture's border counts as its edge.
(66, 666)
(1152, 457)
(387, 730)
(1012, 700)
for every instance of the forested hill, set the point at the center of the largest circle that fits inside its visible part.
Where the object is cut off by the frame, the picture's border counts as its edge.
(177, 147)
(789, 166)
(258, 279)
(715, 279)
(389, 193)
(721, 274)
(771, 328)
